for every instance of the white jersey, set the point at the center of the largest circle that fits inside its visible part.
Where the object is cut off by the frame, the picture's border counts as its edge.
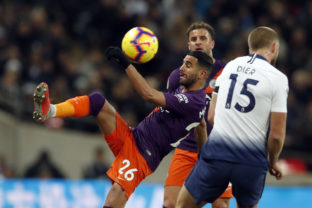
(249, 90)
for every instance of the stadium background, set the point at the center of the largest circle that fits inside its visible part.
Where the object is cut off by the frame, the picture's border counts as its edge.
(62, 43)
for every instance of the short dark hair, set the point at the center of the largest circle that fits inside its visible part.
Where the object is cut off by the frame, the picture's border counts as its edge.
(201, 25)
(203, 58)
(261, 37)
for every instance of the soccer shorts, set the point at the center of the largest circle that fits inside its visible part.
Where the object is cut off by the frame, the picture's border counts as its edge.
(181, 165)
(129, 168)
(209, 178)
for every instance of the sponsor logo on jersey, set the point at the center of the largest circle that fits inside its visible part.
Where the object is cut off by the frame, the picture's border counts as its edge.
(182, 98)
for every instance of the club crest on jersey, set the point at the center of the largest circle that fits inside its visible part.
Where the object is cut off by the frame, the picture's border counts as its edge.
(182, 98)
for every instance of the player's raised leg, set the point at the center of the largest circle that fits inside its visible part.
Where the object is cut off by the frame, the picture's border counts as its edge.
(74, 107)
(106, 118)
(94, 104)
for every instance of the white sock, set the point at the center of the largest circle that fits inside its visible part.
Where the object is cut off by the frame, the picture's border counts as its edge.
(52, 111)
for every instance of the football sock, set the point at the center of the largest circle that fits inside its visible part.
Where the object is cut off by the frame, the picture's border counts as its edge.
(164, 207)
(52, 111)
(107, 207)
(97, 101)
(79, 106)
(76, 107)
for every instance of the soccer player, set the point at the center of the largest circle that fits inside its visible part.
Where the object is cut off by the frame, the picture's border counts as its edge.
(250, 100)
(200, 37)
(139, 150)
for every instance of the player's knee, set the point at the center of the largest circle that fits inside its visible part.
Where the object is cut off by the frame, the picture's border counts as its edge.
(97, 101)
(221, 203)
(181, 204)
(169, 202)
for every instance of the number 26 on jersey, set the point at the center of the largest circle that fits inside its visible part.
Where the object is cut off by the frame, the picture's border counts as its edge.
(128, 174)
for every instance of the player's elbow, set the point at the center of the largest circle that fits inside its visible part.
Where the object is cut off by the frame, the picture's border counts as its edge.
(154, 96)
(210, 119)
(147, 95)
(277, 137)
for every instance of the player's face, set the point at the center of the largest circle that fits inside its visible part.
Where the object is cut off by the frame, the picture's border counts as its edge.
(188, 71)
(200, 39)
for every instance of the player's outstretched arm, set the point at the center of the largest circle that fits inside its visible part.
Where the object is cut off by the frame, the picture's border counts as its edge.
(144, 89)
(276, 142)
(140, 84)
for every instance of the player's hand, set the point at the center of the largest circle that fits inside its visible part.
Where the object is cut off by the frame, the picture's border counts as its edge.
(276, 171)
(115, 54)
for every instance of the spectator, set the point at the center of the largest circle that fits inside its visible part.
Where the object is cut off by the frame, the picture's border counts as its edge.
(98, 167)
(43, 168)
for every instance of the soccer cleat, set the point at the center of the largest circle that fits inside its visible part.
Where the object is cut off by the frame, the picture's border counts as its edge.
(41, 102)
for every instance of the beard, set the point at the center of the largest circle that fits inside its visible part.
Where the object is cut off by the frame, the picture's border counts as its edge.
(189, 81)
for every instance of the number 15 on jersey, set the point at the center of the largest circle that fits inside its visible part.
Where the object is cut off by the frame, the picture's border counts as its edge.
(244, 91)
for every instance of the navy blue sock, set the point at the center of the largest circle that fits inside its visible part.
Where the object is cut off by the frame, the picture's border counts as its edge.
(107, 207)
(97, 101)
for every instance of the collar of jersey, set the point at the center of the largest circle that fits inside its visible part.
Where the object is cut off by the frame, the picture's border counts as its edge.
(254, 55)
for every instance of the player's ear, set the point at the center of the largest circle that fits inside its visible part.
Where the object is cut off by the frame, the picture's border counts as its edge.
(203, 74)
(212, 44)
(273, 47)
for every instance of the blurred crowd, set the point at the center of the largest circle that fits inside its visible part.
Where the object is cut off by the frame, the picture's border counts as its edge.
(62, 43)
(45, 167)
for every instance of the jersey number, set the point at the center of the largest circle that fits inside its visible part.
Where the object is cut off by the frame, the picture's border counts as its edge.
(244, 91)
(129, 174)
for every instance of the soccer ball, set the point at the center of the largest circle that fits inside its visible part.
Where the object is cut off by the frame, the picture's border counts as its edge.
(139, 44)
